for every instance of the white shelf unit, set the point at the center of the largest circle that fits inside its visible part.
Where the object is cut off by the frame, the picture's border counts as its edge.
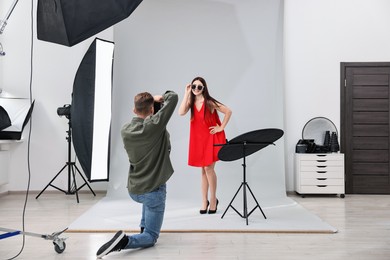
(5, 156)
(319, 173)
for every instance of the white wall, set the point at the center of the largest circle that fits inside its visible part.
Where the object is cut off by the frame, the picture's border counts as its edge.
(54, 68)
(318, 36)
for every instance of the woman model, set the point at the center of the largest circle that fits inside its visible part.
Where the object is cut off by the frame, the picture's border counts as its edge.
(206, 130)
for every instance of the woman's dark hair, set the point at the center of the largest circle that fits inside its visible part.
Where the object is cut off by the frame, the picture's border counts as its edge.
(208, 100)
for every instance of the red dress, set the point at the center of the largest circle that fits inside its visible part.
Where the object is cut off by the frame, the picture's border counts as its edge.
(202, 151)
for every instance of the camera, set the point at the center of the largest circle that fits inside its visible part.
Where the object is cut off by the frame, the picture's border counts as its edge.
(64, 111)
(157, 106)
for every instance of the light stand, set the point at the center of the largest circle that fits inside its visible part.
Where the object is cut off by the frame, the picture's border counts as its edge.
(71, 173)
(3, 23)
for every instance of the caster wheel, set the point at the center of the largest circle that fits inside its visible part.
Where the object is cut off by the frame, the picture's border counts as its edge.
(58, 249)
(342, 196)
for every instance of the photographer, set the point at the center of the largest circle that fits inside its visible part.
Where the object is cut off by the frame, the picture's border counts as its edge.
(147, 144)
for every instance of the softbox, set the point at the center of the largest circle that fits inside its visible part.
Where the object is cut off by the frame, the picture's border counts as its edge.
(90, 113)
(69, 22)
(5, 121)
(18, 111)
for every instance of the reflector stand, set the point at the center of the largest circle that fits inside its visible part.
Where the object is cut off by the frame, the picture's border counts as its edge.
(241, 147)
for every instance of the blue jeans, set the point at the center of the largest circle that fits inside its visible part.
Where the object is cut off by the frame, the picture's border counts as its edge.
(153, 207)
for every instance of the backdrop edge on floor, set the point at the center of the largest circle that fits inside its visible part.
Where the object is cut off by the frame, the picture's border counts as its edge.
(284, 215)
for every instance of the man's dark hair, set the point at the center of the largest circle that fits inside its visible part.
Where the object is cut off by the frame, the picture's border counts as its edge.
(142, 103)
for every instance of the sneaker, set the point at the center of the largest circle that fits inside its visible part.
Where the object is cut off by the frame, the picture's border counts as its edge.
(117, 243)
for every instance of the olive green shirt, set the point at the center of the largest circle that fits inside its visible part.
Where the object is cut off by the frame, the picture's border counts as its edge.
(147, 144)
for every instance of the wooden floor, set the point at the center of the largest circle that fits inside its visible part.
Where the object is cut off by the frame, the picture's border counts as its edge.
(363, 222)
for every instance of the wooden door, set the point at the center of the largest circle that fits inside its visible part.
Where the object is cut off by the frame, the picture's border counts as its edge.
(364, 125)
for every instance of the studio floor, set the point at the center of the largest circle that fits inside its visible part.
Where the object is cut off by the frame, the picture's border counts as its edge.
(363, 223)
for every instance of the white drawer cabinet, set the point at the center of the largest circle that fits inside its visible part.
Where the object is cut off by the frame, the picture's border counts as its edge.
(319, 173)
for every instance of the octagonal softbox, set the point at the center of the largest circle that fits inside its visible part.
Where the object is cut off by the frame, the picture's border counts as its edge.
(90, 113)
(69, 22)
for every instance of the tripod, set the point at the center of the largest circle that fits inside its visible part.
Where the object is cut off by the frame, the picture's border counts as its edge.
(244, 185)
(71, 172)
(240, 147)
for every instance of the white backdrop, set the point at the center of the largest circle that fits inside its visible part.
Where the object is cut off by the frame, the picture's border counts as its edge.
(237, 47)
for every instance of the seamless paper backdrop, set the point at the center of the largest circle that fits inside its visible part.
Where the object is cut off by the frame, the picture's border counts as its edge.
(237, 47)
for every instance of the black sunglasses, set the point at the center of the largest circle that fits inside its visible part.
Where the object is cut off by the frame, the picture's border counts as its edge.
(200, 87)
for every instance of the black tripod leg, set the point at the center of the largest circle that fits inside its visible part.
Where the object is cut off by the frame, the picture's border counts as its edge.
(50, 182)
(256, 203)
(74, 182)
(85, 180)
(245, 203)
(230, 204)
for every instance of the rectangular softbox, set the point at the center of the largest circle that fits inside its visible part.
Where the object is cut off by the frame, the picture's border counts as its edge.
(91, 110)
(69, 22)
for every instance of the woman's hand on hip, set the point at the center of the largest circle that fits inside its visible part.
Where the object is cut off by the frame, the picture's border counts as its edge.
(215, 129)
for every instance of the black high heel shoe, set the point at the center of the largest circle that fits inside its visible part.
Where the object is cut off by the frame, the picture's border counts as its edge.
(204, 211)
(214, 211)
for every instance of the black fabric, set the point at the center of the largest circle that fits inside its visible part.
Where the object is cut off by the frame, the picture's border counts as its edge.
(248, 143)
(82, 109)
(69, 22)
(5, 121)
(17, 135)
